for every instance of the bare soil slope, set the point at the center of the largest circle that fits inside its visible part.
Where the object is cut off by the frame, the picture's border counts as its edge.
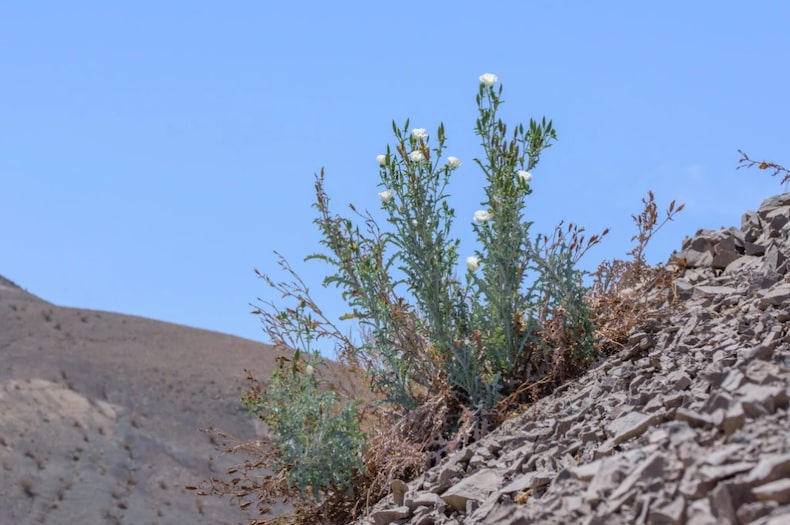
(100, 414)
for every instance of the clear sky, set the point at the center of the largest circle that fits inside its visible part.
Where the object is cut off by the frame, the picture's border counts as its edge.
(153, 153)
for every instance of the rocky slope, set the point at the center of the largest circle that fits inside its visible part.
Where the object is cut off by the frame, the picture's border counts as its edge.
(687, 424)
(100, 414)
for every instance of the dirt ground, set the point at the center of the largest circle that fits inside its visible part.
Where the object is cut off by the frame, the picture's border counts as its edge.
(100, 414)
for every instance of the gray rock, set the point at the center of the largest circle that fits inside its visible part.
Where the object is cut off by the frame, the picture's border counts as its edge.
(387, 516)
(782, 519)
(700, 513)
(754, 510)
(399, 489)
(631, 425)
(733, 419)
(713, 291)
(778, 295)
(694, 418)
(770, 468)
(476, 487)
(669, 514)
(759, 399)
(778, 491)
(447, 475)
(678, 380)
(772, 203)
(650, 469)
(413, 500)
(722, 505)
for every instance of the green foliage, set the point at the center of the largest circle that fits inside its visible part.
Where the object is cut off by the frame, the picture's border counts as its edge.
(319, 443)
(501, 307)
(443, 357)
(429, 339)
(428, 331)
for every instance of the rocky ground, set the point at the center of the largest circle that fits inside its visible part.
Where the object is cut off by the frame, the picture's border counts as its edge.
(687, 424)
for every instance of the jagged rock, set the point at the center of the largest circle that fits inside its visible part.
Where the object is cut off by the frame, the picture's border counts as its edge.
(752, 511)
(447, 475)
(770, 468)
(733, 419)
(399, 489)
(475, 488)
(413, 500)
(387, 516)
(778, 491)
(776, 296)
(669, 514)
(631, 425)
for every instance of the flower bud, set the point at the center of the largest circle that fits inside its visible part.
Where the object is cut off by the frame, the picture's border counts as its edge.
(453, 162)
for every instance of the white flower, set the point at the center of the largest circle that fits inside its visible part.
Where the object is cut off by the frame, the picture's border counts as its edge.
(472, 263)
(385, 196)
(309, 370)
(381, 159)
(419, 133)
(488, 79)
(483, 216)
(416, 156)
(453, 162)
(524, 175)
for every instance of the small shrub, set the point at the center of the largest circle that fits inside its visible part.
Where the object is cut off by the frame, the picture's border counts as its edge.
(319, 445)
(618, 292)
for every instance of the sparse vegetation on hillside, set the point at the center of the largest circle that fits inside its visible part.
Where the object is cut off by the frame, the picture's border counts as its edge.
(746, 162)
(446, 357)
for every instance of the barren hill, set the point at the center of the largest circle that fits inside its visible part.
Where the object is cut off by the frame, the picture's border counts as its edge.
(100, 414)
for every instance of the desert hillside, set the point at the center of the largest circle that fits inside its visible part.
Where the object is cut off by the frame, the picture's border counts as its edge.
(687, 424)
(100, 414)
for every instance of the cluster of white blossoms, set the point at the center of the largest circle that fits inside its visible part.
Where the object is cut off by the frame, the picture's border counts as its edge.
(488, 79)
(483, 216)
(416, 156)
(472, 262)
(385, 196)
(419, 133)
(525, 176)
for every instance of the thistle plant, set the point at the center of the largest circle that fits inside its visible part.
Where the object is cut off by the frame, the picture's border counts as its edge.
(506, 253)
(430, 343)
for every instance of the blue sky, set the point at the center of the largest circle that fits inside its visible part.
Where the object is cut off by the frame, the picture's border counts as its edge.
(153, 153)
